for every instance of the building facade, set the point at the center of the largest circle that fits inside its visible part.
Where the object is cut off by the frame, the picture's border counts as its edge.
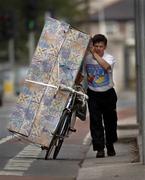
(115, 19)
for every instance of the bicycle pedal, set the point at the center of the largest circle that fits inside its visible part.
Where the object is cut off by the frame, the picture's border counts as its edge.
(72, 130)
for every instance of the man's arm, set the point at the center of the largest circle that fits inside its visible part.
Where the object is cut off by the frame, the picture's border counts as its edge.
(100, 60)
(79, 78)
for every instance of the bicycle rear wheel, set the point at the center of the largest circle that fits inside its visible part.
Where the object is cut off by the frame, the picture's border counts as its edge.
(62, 131)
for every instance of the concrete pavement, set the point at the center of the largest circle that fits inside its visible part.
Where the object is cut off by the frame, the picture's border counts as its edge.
(126, 164)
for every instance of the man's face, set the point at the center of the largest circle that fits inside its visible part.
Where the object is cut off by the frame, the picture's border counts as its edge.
(99, 48)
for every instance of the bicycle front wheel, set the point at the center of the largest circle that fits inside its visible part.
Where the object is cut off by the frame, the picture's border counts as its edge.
(62, 131)
(57, 148)
(51, 146)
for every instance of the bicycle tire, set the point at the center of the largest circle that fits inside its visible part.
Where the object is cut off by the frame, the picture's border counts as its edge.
(63, 129)
(51, 146)
(57, 148)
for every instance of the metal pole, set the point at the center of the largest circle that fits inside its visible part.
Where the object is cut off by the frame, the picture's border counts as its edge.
(9, 82)
(87, 13)
(31, 45)
(11, 52)
(140, 56)
(102, 25)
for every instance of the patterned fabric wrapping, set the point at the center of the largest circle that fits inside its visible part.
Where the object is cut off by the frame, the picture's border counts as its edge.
(56, 61)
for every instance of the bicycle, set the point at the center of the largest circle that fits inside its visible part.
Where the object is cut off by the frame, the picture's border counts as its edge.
(64, 125)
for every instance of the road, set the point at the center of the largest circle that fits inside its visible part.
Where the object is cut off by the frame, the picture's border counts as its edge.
(23, 160)
(20, 160)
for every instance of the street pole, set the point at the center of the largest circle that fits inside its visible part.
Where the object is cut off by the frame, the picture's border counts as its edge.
(102, 24)
(9, 77)
(140, 61)
(87, 13)
(31, 43)
(11, 52)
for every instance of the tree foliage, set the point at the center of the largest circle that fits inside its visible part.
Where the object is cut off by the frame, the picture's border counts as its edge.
(60, 9)
(66, 10)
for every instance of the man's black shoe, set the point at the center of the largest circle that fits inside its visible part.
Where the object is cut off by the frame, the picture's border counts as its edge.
(111, 153)
(100, 154)
(110, 150)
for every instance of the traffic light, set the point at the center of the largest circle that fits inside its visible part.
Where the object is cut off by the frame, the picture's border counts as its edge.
(31, 15)
(7, 26)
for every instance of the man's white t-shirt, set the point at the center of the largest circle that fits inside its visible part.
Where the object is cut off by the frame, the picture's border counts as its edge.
(98, 79)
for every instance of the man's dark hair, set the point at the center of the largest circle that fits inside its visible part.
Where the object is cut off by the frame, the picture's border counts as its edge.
(99, 38)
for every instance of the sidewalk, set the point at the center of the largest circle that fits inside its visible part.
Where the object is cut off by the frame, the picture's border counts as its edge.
(125, 165)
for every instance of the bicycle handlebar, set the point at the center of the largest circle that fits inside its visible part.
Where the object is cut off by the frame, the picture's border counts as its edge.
(65, 88)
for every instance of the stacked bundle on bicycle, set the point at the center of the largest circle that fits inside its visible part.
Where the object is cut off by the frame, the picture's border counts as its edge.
(55, 64)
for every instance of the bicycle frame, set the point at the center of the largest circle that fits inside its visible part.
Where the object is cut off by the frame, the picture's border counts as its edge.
(63, 126)
(68, 112)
